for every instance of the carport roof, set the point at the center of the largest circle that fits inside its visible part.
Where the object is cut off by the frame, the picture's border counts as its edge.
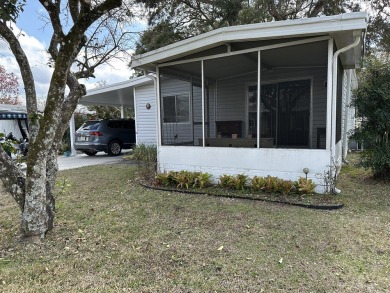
(117, 94)
(343, 27)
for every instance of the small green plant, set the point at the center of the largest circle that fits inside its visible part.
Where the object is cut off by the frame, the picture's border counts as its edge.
(146, 158)
(225, 180)
(144, 153)
(202, 180)
(63, 187)
(239, 182)
(286, 186)
(165, 179)
(185, 179)
(8, 145)
(257, 183)
(305, 186)
(271, 184)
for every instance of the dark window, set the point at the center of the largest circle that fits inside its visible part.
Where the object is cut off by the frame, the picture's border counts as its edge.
(176, 108)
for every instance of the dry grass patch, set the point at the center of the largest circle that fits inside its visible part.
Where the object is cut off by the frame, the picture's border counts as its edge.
(113, 235)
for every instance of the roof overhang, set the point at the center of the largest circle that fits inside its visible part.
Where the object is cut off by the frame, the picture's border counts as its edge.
(343, 28)
(117, 94)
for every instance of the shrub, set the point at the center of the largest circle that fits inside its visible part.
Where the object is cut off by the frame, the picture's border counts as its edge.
(286, 186)
(305, 186)
(146, 157)
(225, 180)
(239, 182)
(257, 183)
(184, 179)
(144, 153)
(202, 180)
(271, 184)
(165, 179)
(372, 99)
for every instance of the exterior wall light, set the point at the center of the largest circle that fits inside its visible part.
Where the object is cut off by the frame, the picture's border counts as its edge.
(306, 171)
(148, 106)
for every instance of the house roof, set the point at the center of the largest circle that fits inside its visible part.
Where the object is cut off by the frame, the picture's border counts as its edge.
(117, 94)
(343, 27)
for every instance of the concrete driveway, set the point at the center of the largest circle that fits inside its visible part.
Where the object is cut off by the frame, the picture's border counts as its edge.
(82, 160)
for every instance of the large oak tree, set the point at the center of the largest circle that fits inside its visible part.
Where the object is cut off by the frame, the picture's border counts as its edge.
(85, 34)
(171, 21)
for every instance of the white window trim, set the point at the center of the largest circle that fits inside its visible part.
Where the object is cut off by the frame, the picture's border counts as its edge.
(189, 107)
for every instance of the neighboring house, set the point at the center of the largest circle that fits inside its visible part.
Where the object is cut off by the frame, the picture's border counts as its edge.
(260, 99)
(13, 118)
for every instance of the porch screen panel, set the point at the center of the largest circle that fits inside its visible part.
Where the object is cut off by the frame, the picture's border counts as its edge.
(268, 113)
(293, 113)
(268, 110)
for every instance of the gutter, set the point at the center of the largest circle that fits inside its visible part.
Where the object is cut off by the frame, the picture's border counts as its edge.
(158, 112)
(334, 102)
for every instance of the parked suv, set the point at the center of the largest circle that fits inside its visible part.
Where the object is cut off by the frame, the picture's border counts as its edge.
(109, 135)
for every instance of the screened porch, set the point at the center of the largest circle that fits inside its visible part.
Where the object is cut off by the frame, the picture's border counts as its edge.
(212, 99)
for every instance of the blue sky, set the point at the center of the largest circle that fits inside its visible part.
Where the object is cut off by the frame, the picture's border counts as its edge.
(35, 40)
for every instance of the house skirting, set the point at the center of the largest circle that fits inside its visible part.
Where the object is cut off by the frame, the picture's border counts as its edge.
(287, 164)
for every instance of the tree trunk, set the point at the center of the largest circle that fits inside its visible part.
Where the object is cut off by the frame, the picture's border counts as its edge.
(38, 213)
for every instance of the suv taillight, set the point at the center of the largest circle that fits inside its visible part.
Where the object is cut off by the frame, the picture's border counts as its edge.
(96, 133)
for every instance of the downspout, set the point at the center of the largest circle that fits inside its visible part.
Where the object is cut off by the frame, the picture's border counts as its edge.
(334, 102)
(158, 115)
(346, 117)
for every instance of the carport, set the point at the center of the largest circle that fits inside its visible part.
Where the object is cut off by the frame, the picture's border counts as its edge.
(120, 94)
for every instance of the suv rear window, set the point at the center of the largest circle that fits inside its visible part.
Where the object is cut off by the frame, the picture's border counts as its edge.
(90, 125)
(123, 124)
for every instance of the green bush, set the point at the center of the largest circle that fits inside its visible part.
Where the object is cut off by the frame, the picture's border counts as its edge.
(305, 186)
(225, 180)
(372, 100)
(286, 186)
(184, 179)
(146, 157)
(271, 184)
(202, 180)
(238, 182)
(257, 183)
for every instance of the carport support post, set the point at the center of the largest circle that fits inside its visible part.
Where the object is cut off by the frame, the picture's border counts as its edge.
(122, 111)
(72, 137)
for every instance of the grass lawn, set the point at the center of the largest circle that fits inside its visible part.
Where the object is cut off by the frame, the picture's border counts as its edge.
(112, 235)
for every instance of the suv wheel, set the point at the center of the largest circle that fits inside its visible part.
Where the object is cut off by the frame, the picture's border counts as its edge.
(90, 153)
(114, 148)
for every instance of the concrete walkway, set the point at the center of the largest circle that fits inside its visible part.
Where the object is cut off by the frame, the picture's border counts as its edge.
(82, 160)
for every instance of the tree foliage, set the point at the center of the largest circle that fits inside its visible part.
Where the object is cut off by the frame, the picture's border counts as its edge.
(9, 90)
(171, 21)
(372, 100)
(86, 34)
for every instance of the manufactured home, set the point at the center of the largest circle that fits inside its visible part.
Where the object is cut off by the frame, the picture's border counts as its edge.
(13, 118)
(259, 99)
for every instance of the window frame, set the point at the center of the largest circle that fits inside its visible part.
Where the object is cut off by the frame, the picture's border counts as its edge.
(277, 81)
(187, 94)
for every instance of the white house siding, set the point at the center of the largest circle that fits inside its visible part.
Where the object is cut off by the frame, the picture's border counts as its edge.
(231, 97)
(176, 132)
(146, 120)
(283, 163)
